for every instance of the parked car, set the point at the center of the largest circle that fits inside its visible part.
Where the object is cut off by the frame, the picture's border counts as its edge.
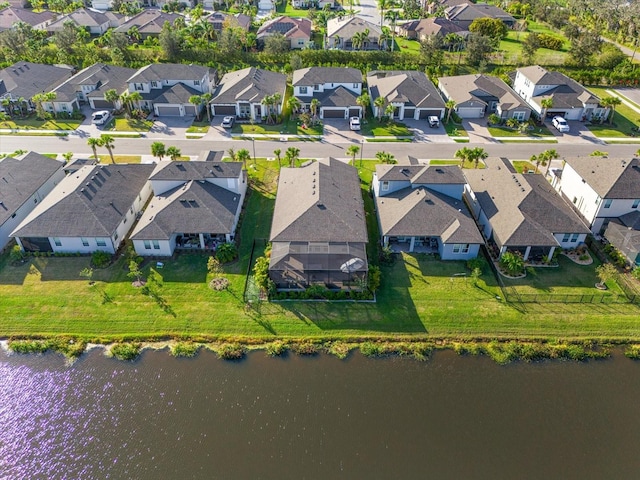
(227, 122)
(101, 118)
(354, 123)
(434, 121)
(560, 123)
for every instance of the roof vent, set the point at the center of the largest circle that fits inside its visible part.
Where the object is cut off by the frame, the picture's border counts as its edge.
(439, 170)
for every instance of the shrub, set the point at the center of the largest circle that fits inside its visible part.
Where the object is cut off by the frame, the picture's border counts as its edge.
(512, 263)
(231, 351)
(100, 259)
(386, 255)
(277, 349)
(549, 41)
(261, 273)
(305, 348)
(374, 278)
(478, 262)
(371, 349)
(494, 119)
(29, 346)
(125, 351)
(185, 349)
(219, 283)
(339, 349)
(227, 252)
(633, 352)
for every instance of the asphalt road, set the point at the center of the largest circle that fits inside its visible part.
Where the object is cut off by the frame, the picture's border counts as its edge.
(141, 146)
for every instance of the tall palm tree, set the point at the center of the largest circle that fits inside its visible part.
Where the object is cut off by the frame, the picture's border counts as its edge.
(242, 156)
(112, 96)
(315, 107)
(546, 104)
(384, 38)
(451, 104)
(197, 101)
(173, 153)
(94, 143)
(294, 105)
(107, 141)
(277, 100)
(267, 102)
(389, 111)
(363, 102)
(392, 16)
(206, 98)
(277, 152)
(125, 100)
(463, 154)
(158, 150)
(478, 154)
(292, 154)
(612, 103)
(135, 98)
(379, 104)
(382, 6)
(232, 154)
(353, 150)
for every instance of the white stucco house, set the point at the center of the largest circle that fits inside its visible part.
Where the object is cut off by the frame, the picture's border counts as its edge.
(336, 88)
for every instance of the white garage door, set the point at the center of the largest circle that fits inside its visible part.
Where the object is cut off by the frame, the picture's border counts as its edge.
(470, 112)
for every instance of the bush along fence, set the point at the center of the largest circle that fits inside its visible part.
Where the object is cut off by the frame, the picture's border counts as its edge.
(631, 292)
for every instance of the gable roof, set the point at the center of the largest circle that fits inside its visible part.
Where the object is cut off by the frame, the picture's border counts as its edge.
(320, 202)
(217, 19)
(408, 87)
(250, 85)
(197, 170)
(10, 16)
(195, 206)
(421, 174)
(469, 12)
(25, 79)
(90, 202)
(567, 92)
(169, 71)
(336, 97)
(174, 94)
(20, 178)
(522, 209)
(149, 22)
(347, 27)
(609, 177)
(322, 75)
(424, 212)
(432, 26)
(83, 17)
(103, 77)
(290, 27)
(469, 90)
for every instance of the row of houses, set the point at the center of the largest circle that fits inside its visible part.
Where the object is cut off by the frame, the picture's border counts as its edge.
(318, 232)
(167, 90)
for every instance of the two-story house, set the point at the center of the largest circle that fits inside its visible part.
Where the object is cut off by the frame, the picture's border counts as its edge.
(296, 30)
(196, 205)
(420, 209)
(167, 87)
(569, 99)
(411, 93)
(336, 88)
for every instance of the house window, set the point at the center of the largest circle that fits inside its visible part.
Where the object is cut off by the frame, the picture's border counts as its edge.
(115, 237)
(303, 90)
(156, 245)
(519, 116)
(85, 242)
(35, 200)
(154, 84)
(57, 242)
(196, 82)
(460, 248)
(64, 107)
(355, 85)
(147, 245)
(316, 87)
(575, 199)
(101, 242)
(574, 237)
(385, 186)
(566, 237)
(13, 215)
(635, 203)
(607, 203)
(139, 87)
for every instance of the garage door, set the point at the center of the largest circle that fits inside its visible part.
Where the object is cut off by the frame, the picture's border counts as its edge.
(333, 113)
(354, 112)
(470, 112)
(99, 103)
(190, 110)
(427, 113)
(409, 113)
(168, 111)
(224, 109)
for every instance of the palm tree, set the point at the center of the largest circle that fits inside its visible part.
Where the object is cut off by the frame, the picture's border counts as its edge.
(315, 107)
(197, 101)
(363, 102)
(379, 103)
(478, 154)
(384, 38)
(242, 156)
(294, 105)
(353, 150)
(135, 98)
(206, 98)
(50, 97)
(463, 154)
(112, 96)
(94, 143)
(107, 141)
(546, 104)
(512, 122)
(389, 111)
(232, 154)
(291, 155)
(451, 104)
(173, 153)
(382, 6)
(392, 16)
(277, 100)
(267, 102)
(537, 160)
(612, 103)
(125, 100)
(386, 157)
(277, 153)
(547, 156)
(158, 150)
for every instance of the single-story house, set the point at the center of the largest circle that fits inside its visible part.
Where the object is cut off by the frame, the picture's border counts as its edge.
(336, 88)
(240, 93)
(96, 23)
(411, 93)
(25, 181)
(341, 32)
(420, 209)
(521, 212)
(477, 95)
(569, 99)
(464, 14)
(195, 205)
(296, 30)
(22, 80)
(220, 20)
(319, 231)
(91, 209)
(149, 22)
(426, 27)
(12, 16)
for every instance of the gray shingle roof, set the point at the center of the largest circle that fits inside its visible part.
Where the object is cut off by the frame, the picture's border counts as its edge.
(523, 209)
(149, 22)
(609, 177)
(470, 12)
(194, 207)
(25, 79)
(567, 94)
(320, 202)
(321, 75)
(432, 26)
(10, 16)
(469, 90)
(249, 85)
(20, 178)
(104, 77)
(347, 27)
(90, 202)
(408, 87)
(290, 27)
(421, 174)
(337, 97)
(83, 17)
(169, 71)
(176, 94)
(198, 170)
(424, 212)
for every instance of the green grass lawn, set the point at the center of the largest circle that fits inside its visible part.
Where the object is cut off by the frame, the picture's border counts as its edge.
(521, 165)
(406, 45)
(31, 123)
(384, 129)
(285, 8)
(502, 131)
(419, 296)
(453, 161)
(121, 124)
(199, 126)
(455, 129)
(120, 158)
(289, 127)
(625, 119)
(511, 46)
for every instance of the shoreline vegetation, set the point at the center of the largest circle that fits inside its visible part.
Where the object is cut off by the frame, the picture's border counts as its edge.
(502, 352)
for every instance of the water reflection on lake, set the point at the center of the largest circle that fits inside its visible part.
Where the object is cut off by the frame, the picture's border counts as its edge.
(450, 417)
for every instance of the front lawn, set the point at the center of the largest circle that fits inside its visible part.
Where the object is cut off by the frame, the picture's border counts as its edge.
(199, 126)
(503, 131)
(122, 124)
(32, 123)
(289, 127)
(523, 166)
(454, 129)
(383, 128)
(285, 8)
(625, 120)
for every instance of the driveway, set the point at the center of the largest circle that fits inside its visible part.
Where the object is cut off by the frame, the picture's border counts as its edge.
(368, 9)
(423, 133)
(477, 130)
(578, 134)
(338, 131)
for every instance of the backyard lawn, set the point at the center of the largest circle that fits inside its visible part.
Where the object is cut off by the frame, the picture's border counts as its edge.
(455, 129)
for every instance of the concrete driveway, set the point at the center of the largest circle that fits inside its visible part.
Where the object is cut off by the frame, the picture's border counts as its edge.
(425, 134)
(578, 134)
(477, 130)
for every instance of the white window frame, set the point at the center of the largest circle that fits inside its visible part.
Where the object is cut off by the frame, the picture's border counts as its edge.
(384, 186)
(607, 203)
(460, 248)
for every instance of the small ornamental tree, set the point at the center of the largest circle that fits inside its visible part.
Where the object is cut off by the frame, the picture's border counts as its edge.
(605, 272)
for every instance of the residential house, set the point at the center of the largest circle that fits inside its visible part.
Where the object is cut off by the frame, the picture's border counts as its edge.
(90, 210)
(336, 88)
(624, 234)
(240, 93)
(24, 182)
(149, 23)
(12, 16)
(477, 95)
(167, 87)
(96, 23)
(600, 189)
(420, 209)
(221, 20)
(195, 205)
(296, 30)
(88, 86)
(319, 232)
(521, 212)
(22, 80)
(434, 6)
(426, 27)
(464, 14)
(341, 31)
(411, 93)
(317, 4)
(570, 99)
